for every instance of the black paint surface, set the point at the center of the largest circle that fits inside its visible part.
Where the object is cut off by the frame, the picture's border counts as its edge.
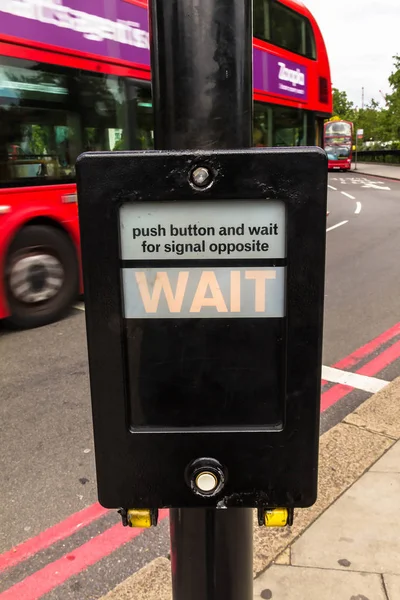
(194, 373)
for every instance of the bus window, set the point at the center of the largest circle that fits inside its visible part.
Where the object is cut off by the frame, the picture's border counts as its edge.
(286, 28)
(288, 127)
(145, 121)
(262, 126)
(101, 106)
(32, 105)
(50, 115)
(311, 51)
(283, 126)
(283, 27)
(261, 26)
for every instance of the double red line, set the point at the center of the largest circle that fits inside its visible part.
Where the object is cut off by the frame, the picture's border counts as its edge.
(370, 368)
(56, 573)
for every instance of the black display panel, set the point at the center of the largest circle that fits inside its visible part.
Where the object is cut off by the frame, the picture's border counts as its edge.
(182, 375)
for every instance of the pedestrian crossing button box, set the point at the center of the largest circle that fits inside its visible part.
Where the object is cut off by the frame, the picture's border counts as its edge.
(204, 288)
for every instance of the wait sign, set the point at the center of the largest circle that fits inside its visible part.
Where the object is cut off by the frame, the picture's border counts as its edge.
(200, 260)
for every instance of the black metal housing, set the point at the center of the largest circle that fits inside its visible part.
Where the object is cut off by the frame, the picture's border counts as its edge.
(146, 467)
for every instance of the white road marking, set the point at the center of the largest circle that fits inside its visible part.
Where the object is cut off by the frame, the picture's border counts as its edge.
(358, 208)
(376, 187)
(336, 226)
(79, 306)
(360, 382)
(348, 195)
(332, 188)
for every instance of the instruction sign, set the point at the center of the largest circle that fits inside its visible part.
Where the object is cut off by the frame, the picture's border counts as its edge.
(156, 238)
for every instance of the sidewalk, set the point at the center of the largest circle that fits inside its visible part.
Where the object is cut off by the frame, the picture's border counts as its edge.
(352, 552)
(346, 546)
(377, 170)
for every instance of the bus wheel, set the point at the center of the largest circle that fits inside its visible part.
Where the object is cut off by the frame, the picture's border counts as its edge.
(42, 276)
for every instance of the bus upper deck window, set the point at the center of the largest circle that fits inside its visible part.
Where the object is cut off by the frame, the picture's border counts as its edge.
(261, 21)
(310, 42)
(287, 28)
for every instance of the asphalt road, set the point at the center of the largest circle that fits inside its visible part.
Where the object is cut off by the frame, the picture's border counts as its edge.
(46, 449)
(362, 267)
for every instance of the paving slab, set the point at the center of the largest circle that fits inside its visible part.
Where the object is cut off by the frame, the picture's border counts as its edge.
(297, 583)
(392, 584)
(390, 462)
(360, 532)
(284, 558)
(345, 453)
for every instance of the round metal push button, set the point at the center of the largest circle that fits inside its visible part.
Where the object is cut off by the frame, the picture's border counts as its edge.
(206, 477)
(206, 482)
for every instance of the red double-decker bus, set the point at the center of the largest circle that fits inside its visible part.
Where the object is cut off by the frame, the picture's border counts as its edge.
(75, 76)
(338, 144)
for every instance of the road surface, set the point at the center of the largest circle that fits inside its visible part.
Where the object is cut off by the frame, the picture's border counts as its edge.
(46, 449)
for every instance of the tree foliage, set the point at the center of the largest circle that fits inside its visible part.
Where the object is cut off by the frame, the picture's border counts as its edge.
(342, 106)
(393, 100)
(381, 125)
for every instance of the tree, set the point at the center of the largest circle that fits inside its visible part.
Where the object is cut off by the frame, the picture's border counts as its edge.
(374, 120)
(342, 106)
(393, 101)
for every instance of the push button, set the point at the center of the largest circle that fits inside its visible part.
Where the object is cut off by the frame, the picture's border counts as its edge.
(205, 476)
(206, 482)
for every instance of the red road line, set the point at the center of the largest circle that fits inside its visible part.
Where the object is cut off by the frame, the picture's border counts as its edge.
(57, 572)
(50, 536)
(381, 361)
(358, 355)
(371, 368)
(331, 396)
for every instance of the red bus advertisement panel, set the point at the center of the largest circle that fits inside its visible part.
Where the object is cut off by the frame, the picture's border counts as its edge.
(107, 29)
(117, 31)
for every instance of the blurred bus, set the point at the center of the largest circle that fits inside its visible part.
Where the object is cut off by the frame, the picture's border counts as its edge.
(75, 76)
(338, 144)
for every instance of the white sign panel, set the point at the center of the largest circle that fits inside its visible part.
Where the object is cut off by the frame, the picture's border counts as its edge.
(199, 232)
(203, 230)
(216, 293)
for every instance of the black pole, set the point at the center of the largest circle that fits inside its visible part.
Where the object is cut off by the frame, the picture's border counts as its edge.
(203, 99)
(202, 73)
(212, 553)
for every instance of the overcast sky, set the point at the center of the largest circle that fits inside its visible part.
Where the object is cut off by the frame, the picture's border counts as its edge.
(361, 38)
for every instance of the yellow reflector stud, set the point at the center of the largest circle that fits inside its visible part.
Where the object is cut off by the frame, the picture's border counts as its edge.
(276, 518)
(139, 517)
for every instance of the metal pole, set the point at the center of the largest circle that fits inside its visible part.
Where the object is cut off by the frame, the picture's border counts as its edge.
(212, 554)
(202, 73)
(202, 96)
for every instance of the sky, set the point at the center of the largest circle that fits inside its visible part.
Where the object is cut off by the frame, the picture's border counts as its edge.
(361, 37)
